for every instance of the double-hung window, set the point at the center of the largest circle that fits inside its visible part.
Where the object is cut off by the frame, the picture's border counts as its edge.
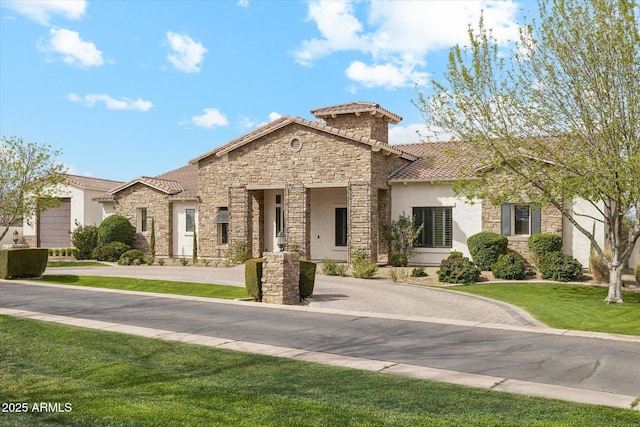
(518, 219)
(142, 219)
(437, 230)
(190, 216)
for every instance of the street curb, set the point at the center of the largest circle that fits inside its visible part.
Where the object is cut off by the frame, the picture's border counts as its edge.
(420, 372)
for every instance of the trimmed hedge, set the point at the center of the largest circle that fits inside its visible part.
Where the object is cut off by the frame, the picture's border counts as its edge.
(560, 267)
(115, 228)
(253, 278)
(307, 278)
(111, 252)
(542, 244)
(458, 269)
(486, 247)
(509, 266)
(23, 262)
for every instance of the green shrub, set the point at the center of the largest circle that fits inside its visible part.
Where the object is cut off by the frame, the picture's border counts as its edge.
(509, 266)
(637, 273)
(458, 269)
(115, 228)
(239, 252)
(132, 256)
(362, 268)
(23, 262)
(253, 278)
(597, 267)
(85, 239)
(541, 244)
(486, 247)
(398, 260)
(418, 272)
(307, 278)
(184, 262)
(111, 252)
(560, 267)
(331, 267)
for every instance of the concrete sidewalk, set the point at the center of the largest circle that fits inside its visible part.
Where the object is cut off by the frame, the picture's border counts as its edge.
(342, 293)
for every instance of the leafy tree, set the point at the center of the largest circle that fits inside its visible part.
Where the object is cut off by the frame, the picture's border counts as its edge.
(29, 175)
(557, 114)
(401, 235)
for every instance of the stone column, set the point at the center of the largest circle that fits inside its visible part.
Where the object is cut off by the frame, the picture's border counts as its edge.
(238, 215)
(362, 222)
(298, 217)
(281, 278)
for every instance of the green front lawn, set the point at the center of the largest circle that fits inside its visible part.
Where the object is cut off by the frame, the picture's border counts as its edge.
(146, 285)
(111, 379)
(76, 264)
(567, 306)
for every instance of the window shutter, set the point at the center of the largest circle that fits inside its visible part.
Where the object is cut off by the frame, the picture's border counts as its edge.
(536, 221)
(505, 219)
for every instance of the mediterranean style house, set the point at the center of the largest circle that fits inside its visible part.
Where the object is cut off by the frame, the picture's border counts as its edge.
(329, 185)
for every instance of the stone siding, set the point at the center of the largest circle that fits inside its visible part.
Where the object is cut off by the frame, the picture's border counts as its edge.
(364, 125)
(139, 196)
(281, 278)
(270, 162)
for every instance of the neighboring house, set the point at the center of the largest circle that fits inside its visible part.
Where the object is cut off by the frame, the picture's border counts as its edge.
(330, 185)
(168, 202)
(53, 227)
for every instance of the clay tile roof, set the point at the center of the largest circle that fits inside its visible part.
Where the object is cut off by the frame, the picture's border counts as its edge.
(356, 107)
(89, 183)
(286, 120)
(178, 183)
(436, 163)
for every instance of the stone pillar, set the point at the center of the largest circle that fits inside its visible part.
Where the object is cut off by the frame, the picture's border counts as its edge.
(298, 218)
(239, 215)
(281, 278)
(363, 224)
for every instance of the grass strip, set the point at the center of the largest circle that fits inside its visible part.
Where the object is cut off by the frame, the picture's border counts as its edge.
(54, 264)
(147, 285)
(122, 380)
(563, 306)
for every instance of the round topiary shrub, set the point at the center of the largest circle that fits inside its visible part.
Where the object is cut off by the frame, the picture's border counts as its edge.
(486, 248)
(458, 269)
(560, 267)
(115, 228)
(398, 260)
(111, 252)
(509, 266)
(133, 256)
(541, 244)
(85, 240)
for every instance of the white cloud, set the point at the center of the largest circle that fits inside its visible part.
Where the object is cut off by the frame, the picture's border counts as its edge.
(274, 116)
(398, 36)
(243, 3)
(42, 11)
(92, 99)
(74, 50)
(186, 54)
(211, 118)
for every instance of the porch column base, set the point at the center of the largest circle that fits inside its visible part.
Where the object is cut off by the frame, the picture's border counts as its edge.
(281, 278)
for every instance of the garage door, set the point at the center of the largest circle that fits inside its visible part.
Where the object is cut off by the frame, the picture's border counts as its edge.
(54, 226)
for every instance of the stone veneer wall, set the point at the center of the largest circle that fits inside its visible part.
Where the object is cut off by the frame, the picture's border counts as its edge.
(281, 278)
(158, 207)
(365, 125)
(270, 162)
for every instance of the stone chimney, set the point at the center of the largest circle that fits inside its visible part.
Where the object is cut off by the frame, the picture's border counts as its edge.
(362, 118)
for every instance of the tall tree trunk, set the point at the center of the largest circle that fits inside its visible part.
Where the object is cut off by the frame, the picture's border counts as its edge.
(615, 284)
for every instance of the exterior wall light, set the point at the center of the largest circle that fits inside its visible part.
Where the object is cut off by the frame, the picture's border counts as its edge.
(15, 237)
(280, 240)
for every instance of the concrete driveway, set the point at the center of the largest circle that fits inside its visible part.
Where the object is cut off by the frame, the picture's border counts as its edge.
(343, 294)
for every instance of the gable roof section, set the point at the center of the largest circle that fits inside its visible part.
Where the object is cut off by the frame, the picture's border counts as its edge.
(89, 183)
(287, 120)
(357, 108)
(434, 162)
(178, 183)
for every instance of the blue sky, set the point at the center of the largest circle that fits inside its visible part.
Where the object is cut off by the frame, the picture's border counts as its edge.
(131, 88)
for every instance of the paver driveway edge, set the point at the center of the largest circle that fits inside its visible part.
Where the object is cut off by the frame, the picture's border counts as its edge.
(420, 372)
